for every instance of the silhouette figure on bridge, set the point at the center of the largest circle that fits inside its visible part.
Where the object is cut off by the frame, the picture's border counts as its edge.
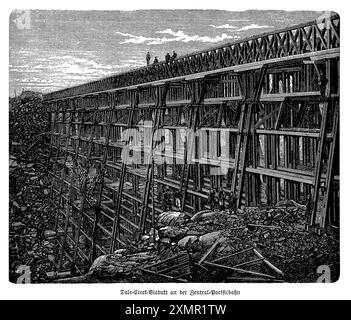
(148, 57)
(174, 55)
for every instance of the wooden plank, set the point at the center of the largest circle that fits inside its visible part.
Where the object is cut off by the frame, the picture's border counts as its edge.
(70, 190)
(115, 232)
(238, 148)
(99, 197)
(232, 255)
(281, 174)
(273, 97)
(242, 160)
(165, 276)
(166, 260)
(238, 270)
(266, 117)
(269, 264)
(318, 169)
(248, 263)
(277, 122)
(180, 264)
(330, 164)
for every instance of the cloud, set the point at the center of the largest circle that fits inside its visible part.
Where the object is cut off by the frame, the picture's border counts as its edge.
(135, 62)
(239, 20)
(71, 60)
(181, 36)
(176, 36)
(224, 26)
(253, 26)
(64, 70)
(133, 38)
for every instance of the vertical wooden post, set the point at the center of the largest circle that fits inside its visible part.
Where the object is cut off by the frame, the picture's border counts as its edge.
(322, 138)
(115, 229)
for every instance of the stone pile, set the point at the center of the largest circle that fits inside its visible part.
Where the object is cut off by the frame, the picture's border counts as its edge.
(31, 214)
(277, 236)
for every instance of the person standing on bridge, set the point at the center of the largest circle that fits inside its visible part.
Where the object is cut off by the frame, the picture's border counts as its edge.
(167, 57)
(148, 57)
(174, 56)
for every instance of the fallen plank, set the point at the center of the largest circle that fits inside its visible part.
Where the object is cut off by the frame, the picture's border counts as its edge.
(248, 263)
(263, 226)
(180, 265)
(248, 279)
(269, 264)
(183, 275)
(201, 266)
(163, 275)
(236, 228)
(166, 260)
(238, 270)
(231, 255)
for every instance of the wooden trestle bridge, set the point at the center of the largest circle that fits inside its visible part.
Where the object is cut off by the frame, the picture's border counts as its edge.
(278, 96)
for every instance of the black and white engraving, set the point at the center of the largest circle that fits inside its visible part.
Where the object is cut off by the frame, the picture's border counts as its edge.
(174, 146)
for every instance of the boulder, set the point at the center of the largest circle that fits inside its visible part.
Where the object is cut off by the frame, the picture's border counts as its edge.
(112, 265)
(204, 214)
(172, 232)
(171, 218)
(49, 234)
(18, 225)
(51, 257)
(186, 241)
(165, 240)
(209, 238)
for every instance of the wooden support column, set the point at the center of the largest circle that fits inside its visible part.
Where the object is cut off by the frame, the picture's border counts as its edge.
(330, 167)
(325, 89)
(157, 122)
(83, 200)
(115, 231)
(97, 209)
(54, 113)
(198, 91)
(69, 195)
(251, 89)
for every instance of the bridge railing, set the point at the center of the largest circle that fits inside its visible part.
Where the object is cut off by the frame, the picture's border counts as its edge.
(314, 36)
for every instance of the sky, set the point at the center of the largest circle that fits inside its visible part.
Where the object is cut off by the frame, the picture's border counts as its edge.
(52, 50)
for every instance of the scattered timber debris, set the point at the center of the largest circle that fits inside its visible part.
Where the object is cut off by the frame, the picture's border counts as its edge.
(176, 268)
(258, 245)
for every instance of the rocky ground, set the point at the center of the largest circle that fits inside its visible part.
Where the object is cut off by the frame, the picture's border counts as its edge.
(276, 234)
(31, 216)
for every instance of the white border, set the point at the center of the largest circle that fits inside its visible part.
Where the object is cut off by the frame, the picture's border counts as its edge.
(339, 290)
